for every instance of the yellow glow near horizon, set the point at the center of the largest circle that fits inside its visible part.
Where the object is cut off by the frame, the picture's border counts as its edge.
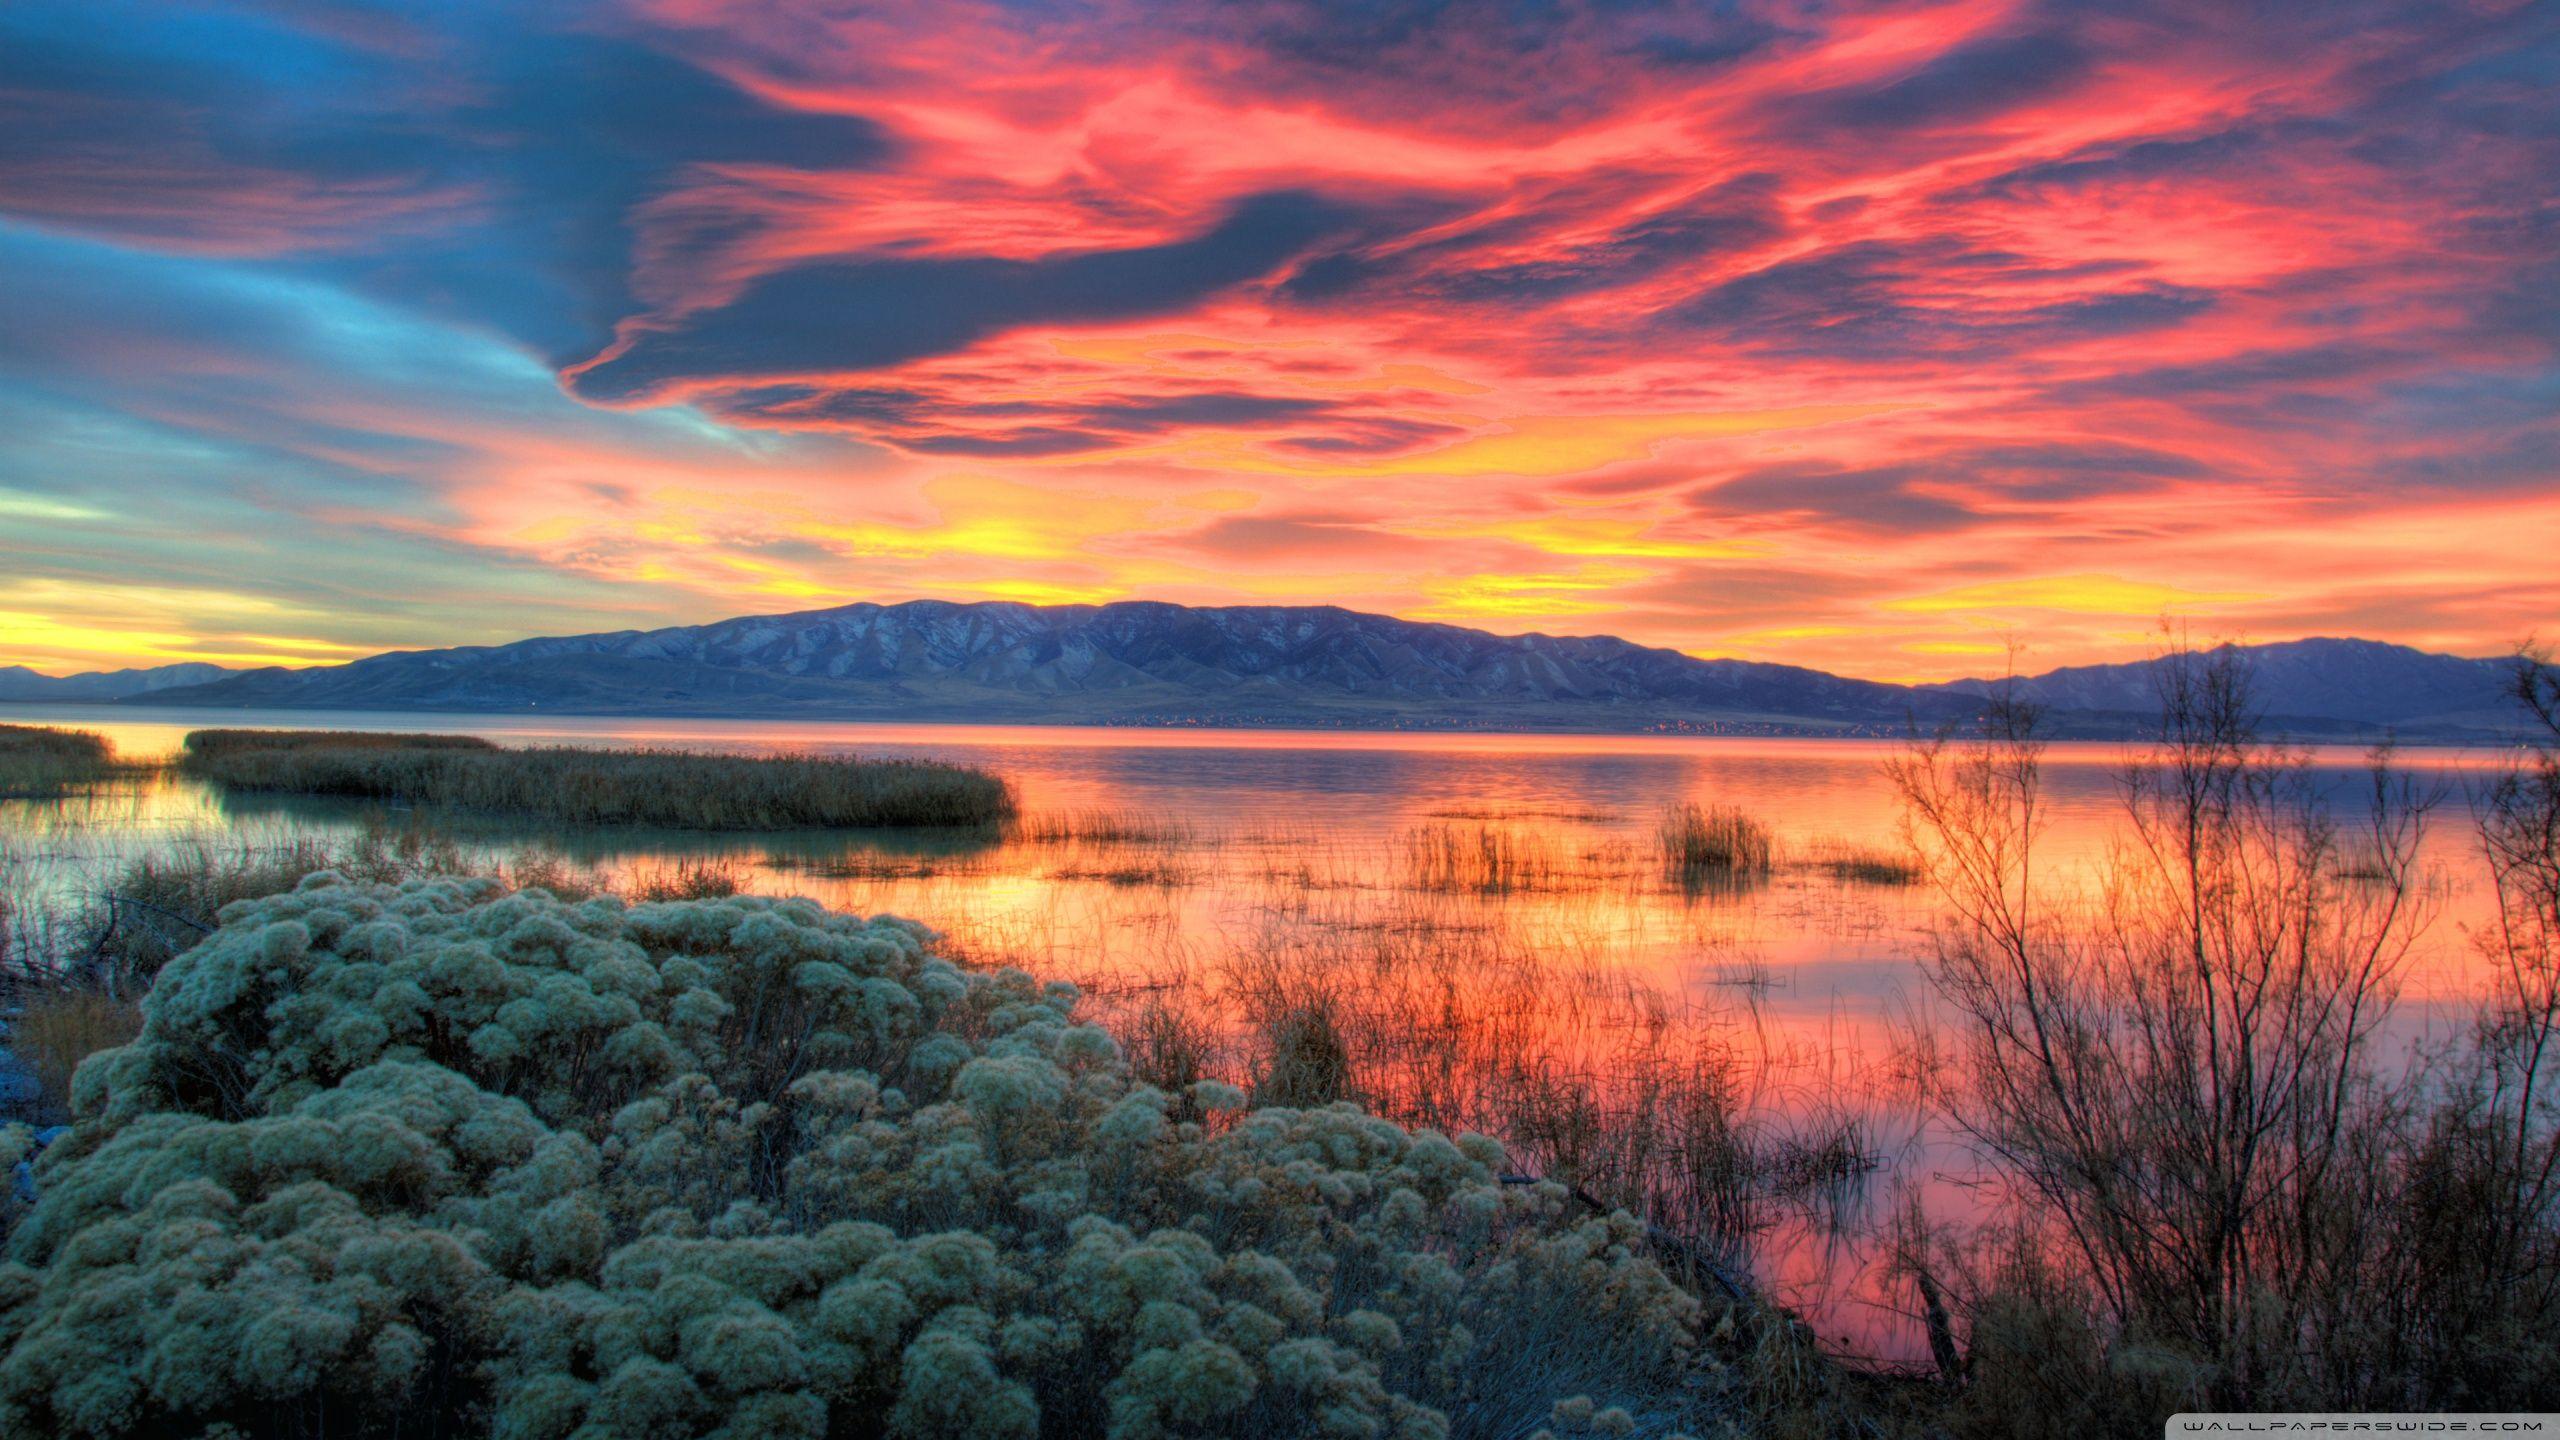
(2076, 594)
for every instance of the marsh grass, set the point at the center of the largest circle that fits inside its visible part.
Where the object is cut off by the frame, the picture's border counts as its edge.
(208, 743)
(160, 902)
(1714, 842)
(685, 878)
(1435, 1014)
(1557, 814)
(873, 865)
(39, 762)
(1491, 859)
(1133, 870)
(1483, 859)
(673, 788)
(1104, 827)
(55, 1028)
(1856, 864)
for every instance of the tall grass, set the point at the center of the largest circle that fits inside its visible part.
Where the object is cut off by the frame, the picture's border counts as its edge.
(675, 788)
(38, 762)
(57, 1027)
(1856, 864)
(1708, 842)
(1104, 827)
(1589, 1076)
(1479, 858)
(223, 742)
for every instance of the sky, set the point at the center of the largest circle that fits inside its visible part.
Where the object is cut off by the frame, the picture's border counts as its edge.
(1873, 337)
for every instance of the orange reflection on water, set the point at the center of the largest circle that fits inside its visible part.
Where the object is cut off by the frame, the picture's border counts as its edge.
(1485, 921)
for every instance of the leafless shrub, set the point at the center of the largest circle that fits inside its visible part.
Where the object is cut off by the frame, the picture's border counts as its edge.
(2222, 1195)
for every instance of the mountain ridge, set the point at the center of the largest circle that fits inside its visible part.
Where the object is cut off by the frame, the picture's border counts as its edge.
(1125, 662)
(1158, 663)
(2337, 678)
(18, 683)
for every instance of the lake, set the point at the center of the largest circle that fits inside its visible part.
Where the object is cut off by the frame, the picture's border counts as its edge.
(1483, 917)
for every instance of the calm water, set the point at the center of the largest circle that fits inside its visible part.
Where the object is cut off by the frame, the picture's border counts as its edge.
(1288, 863)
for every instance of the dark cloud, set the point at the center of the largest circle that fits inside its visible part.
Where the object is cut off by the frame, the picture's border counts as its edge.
(1303, 536)
(1708, 225)
(1886, 301)
(1367, 435)
(1883, 498)
(871, 314)
(1952, 490)
(1963, 86)
(954, 423)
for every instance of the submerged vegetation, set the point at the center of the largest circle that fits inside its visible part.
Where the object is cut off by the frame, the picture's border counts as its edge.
(673, 788)
(442, 1159)
(38, 761)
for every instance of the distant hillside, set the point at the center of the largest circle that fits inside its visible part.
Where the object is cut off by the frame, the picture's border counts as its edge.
(1144, 663)
(2355, 683)
(18, 683)
(1130, 663)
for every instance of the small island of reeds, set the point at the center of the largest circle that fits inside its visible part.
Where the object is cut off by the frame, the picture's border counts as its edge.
(681, 789)
(37, 762)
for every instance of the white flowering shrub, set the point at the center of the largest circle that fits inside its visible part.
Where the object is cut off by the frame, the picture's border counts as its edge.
(445, 1160)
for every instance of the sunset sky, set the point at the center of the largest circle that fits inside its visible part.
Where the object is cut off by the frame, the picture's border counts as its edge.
(1856, 336)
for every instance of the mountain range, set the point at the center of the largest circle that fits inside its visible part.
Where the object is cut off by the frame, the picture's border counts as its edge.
(18, 683)
(1149, 663)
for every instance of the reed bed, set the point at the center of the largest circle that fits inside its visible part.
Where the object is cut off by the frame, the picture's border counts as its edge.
(1707, 842)
(1104, 827)
(1856, 864)
(673, 788)
(873, 865)
(1134, 870)
(1484, 859)
(39, 762)
(685, 878)
(228, 742)
(55, 1028)
(1635, 1096)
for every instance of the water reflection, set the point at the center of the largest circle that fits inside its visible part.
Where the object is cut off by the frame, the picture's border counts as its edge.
(1484, 916)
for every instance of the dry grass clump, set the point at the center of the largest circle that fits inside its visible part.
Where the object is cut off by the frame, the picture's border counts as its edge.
(1309, 1064)
(1170, 1047)
(675, 788)
(1103, 827)
(1856, 864)
(1561, 814)
(168, 898)
(873, 865)
(39, 762)
(1587, 1076)
(1705, 842)
(55, 1028)
(689, 878)
(1479, 859)
(1135, 870)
